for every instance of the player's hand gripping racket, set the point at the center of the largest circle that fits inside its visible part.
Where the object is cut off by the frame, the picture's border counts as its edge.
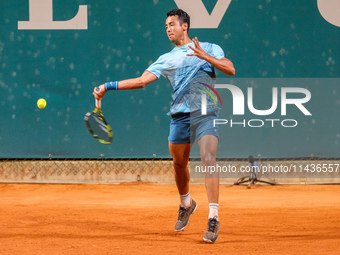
(97, 125)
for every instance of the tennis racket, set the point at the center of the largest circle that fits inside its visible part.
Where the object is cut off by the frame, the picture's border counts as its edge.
(97, 125)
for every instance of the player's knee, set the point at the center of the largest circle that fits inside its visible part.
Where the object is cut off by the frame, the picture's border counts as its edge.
(208, 159)
(180, 164)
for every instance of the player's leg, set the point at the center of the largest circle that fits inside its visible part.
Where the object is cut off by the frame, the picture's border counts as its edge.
(206, 134)
(208, 148)
(179, 147)
(180, 154)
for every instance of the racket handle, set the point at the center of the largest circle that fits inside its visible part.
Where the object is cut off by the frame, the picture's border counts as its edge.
(98, 103)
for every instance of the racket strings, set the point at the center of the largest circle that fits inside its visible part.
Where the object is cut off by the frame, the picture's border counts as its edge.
(100, 123)
(99, 128)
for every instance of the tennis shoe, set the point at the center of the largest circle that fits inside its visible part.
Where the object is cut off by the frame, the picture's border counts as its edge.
(211, 234)
(183, 215)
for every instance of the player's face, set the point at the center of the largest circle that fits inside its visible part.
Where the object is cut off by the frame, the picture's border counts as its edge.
(174, 29)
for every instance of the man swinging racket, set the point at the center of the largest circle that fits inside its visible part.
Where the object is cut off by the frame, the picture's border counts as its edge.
(189, 67)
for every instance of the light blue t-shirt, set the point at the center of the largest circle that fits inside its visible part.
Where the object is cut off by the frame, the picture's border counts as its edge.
(188, 76)
(254, 169)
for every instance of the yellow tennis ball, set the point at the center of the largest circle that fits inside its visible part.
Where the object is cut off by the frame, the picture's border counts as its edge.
(41, 103)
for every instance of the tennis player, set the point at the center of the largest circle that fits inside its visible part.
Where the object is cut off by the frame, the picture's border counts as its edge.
(189, 67)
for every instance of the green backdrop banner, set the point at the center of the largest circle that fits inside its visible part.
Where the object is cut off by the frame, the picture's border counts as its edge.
(60, 49)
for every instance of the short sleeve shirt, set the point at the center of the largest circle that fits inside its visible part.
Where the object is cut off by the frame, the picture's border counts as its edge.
(188, 76)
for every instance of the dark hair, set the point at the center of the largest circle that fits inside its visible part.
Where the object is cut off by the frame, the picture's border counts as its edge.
(251, 159)
(182, 16)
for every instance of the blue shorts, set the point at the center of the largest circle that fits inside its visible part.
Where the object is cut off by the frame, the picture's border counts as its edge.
(191, 127)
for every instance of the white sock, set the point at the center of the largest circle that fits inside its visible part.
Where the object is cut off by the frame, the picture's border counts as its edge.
(213, 210)
(185, 199)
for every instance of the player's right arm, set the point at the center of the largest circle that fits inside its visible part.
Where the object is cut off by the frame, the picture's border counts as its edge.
(136, 83)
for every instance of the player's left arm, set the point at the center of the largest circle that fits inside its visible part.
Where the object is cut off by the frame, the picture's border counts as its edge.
(223, 64)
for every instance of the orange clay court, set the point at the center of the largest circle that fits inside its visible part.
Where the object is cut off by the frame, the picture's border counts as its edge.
(139, 218)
